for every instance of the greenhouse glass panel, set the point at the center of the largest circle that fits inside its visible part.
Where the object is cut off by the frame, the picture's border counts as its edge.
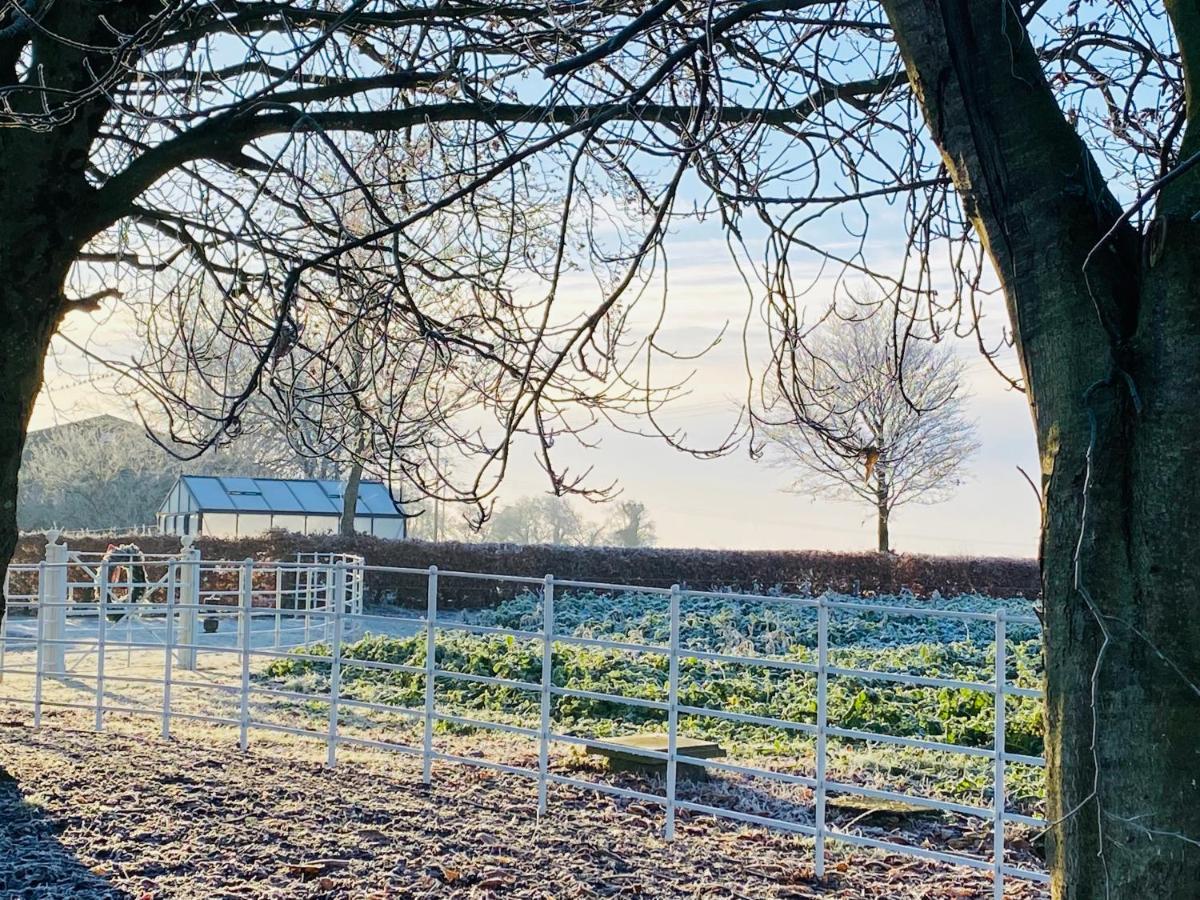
(209, 493)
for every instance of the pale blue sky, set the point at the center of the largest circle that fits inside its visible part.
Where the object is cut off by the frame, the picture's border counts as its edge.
(733, 501)
(739, 503)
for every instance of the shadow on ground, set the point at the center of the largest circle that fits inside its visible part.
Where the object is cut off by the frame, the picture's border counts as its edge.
(33, 862)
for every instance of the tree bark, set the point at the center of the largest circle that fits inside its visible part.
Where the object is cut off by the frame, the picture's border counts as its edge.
(47, 213)
(1111, 357)
(37, 242)
(350, 499)
(881, 504)
(24, 340)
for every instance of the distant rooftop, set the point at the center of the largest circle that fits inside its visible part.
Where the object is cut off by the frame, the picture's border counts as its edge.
(286, 495)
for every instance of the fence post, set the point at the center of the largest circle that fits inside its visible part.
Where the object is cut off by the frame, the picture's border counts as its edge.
(55, 608)
(168, 649)
(430, 671)
(360, 586)
(278, 605)
(822, 726)
(101, 641)
(330, 590)
(246, 597)
(999, 747)
(547, 681)
(39, 647)
(189, 596)
(308, 597)
(129, 620)
(335, 670)
(672, 714)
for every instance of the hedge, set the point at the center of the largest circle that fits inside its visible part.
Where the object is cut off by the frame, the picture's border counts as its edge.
(793, 571)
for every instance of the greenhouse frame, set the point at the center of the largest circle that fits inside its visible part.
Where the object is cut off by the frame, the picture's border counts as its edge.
(230, 507)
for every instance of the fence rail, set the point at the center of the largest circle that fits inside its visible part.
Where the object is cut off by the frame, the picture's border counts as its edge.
(280, 608)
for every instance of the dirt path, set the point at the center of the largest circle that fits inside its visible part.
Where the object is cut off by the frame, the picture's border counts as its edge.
(95, 816)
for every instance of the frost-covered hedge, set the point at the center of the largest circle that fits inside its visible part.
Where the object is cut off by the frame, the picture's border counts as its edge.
(800, 571)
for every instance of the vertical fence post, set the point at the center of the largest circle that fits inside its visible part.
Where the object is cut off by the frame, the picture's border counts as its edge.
(55, 609)
(547, 681)
(39, 647)
(245, 626)
(168, 649)
(101, 640)
(4, 621)
(822, 726)
(672, 714)
(335, 669)
(999, 748)
(129, 616)
(360, 586)
(278, 605)
(430, 671)
(330, 590)
(308, 597)
(189, 597)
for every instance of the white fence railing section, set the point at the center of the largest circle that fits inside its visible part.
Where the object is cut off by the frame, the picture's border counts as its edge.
(73, 611)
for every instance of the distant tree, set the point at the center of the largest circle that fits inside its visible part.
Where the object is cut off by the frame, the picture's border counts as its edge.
(99, 473)
(267, 446)
(883, 426)
(106, 472)
(630, 526)
(434, 520)
(539, 520)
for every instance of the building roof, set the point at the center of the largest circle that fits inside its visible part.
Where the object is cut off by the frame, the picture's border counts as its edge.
(284, 495)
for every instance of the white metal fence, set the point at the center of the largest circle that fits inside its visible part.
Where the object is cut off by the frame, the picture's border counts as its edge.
(280, 608)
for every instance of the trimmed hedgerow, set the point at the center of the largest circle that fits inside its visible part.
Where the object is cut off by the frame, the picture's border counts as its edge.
(801, 572)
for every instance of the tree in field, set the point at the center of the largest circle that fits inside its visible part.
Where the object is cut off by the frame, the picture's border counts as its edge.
(883, 426)
(157, 164)
(630, 526)
(539, 520)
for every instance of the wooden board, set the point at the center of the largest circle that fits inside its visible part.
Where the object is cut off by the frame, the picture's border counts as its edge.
(630, 760)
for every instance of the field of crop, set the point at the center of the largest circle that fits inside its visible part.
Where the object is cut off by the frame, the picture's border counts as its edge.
(940, 648)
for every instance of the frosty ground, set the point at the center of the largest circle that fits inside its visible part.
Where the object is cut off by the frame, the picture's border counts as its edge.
(114, 815)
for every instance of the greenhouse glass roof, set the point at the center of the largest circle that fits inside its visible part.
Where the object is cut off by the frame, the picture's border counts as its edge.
(280, 495)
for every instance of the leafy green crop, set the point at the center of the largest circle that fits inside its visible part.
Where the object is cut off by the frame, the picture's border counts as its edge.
(954, 650)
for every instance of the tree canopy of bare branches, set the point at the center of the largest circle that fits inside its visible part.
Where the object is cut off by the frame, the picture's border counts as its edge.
(539, 520)
(883, 426)
(159, 166)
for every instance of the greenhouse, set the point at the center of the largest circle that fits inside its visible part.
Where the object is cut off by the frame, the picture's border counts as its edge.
(238, 507)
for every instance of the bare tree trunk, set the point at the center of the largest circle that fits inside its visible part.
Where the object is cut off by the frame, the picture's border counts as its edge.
(1111, 356)
(881, 503)
(350, 499)
(884, 540)
(23, 345)
(32, 270)
(45, 217)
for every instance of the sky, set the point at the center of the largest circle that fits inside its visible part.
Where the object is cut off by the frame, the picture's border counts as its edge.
(738, 503)
(730, 502)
